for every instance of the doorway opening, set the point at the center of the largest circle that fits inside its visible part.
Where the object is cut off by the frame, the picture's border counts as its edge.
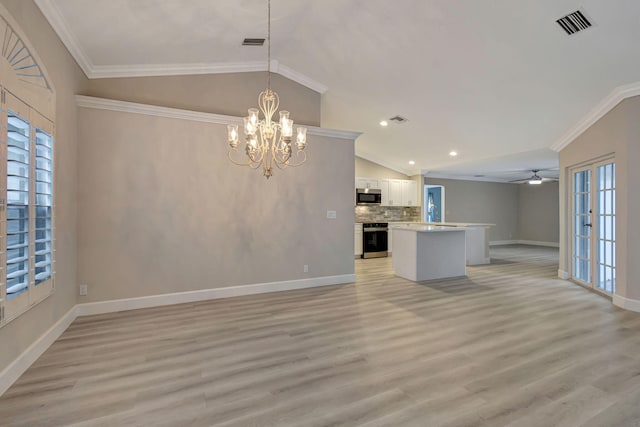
(433, 203)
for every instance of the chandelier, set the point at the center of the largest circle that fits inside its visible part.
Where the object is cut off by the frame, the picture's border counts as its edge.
(268, 143)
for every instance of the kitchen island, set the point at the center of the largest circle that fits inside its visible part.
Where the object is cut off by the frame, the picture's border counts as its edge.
(477, 239)
(427, 252)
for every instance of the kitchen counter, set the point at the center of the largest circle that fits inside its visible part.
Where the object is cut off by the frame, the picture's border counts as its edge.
(428, 252)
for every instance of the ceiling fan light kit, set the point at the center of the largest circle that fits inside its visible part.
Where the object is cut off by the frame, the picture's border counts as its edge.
(534, 179)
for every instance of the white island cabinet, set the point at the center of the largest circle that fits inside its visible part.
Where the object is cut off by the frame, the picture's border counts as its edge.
(477, 239)
(427, 252)
(357, 241)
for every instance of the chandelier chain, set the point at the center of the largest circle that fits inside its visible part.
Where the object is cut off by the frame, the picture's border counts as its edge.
(269, 46)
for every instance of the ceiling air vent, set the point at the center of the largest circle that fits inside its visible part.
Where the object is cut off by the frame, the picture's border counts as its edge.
(398, 120)
(253, 42)
(574, 22)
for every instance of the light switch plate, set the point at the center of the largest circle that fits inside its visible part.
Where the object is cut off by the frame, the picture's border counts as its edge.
(331, 215)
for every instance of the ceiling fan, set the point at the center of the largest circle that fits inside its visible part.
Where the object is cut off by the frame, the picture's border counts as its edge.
(534, 179)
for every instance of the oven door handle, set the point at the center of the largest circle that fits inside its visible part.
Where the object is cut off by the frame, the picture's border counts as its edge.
(371, 230)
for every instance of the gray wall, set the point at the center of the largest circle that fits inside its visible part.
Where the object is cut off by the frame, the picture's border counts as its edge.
(616, 133)
(68, 80)
(230, 94)
(538, 213)
(162, 209)
(482, 202)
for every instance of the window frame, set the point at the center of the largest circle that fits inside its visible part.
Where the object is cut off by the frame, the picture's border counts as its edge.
(11, 309)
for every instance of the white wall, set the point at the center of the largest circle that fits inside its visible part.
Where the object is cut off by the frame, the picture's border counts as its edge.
(369, 169)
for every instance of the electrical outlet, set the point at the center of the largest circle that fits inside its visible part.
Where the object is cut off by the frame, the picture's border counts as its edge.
(83, 290)
(331, 215)
(306, 268)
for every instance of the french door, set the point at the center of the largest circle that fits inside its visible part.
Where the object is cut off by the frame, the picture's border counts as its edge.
(593, 226)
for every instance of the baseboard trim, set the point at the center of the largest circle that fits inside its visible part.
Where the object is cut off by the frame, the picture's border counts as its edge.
(536, 243)
(626, 303)
(12, 372)
(113, 306)
(524, 242)
(564, 274)
(503, 242)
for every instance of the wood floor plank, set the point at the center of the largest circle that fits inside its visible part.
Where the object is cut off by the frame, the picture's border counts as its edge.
(508, 345)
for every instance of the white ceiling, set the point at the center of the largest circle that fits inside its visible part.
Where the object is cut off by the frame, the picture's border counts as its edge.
(496, 80)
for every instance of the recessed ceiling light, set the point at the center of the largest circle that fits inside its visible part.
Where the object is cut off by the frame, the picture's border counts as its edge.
(384, 123)
(453, 153)
(411, 162)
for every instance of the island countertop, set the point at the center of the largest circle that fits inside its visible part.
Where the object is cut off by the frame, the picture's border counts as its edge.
(424, 228)
(444, 224)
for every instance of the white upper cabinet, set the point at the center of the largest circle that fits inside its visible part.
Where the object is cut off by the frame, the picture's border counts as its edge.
(391, 192)
(399, 192)
(409, 193)
(367, 183)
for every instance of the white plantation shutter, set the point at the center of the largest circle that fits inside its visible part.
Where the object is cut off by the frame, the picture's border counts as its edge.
(17, 206)
(43, 207)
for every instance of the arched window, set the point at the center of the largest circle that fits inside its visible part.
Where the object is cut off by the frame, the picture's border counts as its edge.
(27, 113)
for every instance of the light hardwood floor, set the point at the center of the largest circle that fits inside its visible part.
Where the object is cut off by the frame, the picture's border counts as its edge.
(508, 345)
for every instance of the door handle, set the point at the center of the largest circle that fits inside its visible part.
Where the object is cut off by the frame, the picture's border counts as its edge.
(588, 225)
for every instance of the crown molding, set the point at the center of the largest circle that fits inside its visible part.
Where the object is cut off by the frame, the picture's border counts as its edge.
(297, 77)
(197, 116)
(151, 70)
(53, 14)
(607, 104)
(115, 71)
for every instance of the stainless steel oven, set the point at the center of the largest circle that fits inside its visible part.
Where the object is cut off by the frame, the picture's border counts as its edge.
(374, 239)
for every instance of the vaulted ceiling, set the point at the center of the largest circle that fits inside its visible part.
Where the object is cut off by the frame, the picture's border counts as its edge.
(498, 81)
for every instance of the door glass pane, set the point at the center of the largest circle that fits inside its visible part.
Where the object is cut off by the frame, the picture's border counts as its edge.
(605, 232)
(581, 226)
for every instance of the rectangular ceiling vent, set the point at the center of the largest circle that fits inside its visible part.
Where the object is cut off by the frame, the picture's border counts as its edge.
(253, 42)
(398, 119)
(574, 22)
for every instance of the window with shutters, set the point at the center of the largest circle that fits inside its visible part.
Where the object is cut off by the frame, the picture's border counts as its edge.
(27, 232)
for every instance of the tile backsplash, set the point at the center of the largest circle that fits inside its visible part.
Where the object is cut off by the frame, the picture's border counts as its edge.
(388, 213)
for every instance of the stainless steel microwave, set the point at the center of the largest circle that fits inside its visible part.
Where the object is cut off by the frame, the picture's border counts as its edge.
(368, 196)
